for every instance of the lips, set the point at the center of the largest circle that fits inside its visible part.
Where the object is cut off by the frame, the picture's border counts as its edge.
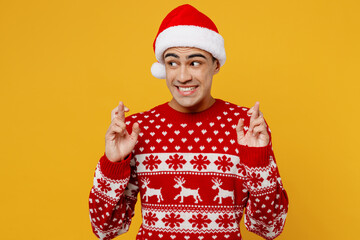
(186, 90)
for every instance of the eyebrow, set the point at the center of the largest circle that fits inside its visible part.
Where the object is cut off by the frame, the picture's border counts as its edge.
(171, 55)
(188, 57)
(195, 55)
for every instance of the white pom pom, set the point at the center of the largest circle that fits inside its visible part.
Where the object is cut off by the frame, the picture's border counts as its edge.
(158, 70)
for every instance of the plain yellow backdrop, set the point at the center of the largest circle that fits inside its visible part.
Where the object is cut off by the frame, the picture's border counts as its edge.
(64, 65)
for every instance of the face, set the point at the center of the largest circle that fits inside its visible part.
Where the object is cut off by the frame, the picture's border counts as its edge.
(189, 73)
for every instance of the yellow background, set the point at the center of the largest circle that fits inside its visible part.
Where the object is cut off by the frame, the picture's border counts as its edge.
(64, 65)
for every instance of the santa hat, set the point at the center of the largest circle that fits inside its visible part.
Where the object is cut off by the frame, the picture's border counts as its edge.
(185, 26)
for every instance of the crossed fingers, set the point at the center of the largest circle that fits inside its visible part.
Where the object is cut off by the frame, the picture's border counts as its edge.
(257, 135)
(257, 121)
(118, 119)
(119, 112)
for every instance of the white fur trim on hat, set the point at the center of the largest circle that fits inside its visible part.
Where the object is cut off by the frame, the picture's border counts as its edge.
(190, 36)
(158, 70)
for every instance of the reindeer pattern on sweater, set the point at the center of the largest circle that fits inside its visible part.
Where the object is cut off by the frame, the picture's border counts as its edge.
(194, 179)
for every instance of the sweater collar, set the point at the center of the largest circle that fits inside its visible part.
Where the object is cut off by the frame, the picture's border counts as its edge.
(174, 115)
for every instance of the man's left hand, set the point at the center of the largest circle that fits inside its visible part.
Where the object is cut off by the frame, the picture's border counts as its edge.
(257, 134)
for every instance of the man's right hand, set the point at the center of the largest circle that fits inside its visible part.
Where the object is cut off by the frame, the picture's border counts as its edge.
(118, 142)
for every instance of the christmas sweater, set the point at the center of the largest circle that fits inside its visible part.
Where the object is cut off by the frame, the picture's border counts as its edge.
(194, 179)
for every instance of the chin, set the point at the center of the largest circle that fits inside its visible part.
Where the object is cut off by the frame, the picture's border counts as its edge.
(187, 102)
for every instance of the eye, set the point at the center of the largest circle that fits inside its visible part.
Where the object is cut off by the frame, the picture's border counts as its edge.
(195, 64)
(172, 64)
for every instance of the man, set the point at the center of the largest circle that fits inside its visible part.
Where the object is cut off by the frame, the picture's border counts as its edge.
(196, 161)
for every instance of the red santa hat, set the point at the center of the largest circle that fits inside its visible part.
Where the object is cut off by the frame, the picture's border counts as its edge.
(185, 26)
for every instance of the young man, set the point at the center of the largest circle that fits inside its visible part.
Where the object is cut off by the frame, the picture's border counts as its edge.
(196, 161)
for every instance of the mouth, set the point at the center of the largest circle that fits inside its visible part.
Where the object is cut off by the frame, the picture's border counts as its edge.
(186, 90)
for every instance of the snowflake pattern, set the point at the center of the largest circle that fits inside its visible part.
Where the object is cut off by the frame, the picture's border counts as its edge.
(278, 225)
(175, 161)
(255, 179)
(199, 221)
(224, 163)
(261, 228)
(247, 223)
(151, 162)
(118, 192)
(241, 169)
(200, 162)
(103, 185)
(225, 220)
(172, 220)
(272, 175)
(150, 218)
(110, 235)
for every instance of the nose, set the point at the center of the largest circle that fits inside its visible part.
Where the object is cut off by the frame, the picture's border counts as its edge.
(184, 75)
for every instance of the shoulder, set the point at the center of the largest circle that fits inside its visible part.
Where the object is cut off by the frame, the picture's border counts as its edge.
(232, 109)
(233, 106)
(145, 116)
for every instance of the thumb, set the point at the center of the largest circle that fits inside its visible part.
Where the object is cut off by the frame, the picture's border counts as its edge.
(135, 131)
(240, 128)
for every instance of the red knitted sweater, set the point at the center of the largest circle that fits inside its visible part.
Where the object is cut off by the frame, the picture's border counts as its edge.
(194, 180)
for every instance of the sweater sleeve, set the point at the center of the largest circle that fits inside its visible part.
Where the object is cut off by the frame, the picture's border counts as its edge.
(113, 197)
(267, 204)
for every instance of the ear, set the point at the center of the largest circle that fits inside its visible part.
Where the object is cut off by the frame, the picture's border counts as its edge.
(217, 66)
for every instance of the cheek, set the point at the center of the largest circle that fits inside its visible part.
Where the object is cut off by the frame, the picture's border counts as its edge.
(168, 83)
(207, 80)
(208, 85)
(170, 76)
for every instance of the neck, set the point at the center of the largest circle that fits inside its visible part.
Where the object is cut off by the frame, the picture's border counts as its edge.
(202, 106)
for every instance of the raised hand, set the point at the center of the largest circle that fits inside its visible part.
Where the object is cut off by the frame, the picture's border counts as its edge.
(118, 142)
(257, 135)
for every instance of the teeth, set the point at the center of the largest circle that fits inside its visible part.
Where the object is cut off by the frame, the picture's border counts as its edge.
(186, 89)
